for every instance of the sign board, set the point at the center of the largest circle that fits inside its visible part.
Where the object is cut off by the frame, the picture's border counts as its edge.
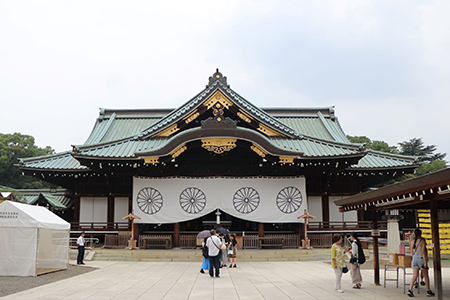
(376, 232)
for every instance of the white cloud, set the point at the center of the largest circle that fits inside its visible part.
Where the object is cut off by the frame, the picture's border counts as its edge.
(384, 65)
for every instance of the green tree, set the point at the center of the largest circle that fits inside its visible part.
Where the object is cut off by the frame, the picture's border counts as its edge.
(431, 161)
(430, 167)
(374, 145)
(415, 147)
(15, 146)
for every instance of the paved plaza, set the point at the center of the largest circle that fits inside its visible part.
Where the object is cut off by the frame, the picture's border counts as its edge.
(182, 280)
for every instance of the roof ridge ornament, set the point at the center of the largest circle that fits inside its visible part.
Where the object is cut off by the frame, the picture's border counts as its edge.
(217, 76)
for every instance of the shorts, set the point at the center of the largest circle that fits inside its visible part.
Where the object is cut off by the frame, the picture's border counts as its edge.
(418, 262)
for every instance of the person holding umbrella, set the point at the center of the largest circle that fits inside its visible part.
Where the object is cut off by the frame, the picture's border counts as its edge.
(205, 264)
(205, 234)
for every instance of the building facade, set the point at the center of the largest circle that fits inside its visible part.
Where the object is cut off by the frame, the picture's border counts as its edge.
(215, 156)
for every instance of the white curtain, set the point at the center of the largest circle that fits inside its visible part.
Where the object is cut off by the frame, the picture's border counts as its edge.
(266, 199)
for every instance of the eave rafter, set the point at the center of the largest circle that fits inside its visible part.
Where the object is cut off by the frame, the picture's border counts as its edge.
(414, 193)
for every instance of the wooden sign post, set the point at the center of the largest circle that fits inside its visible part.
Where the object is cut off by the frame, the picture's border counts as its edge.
(306, 243)
(132, 241)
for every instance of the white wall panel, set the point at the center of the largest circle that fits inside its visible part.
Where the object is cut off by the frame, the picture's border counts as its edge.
(315, 207)
(93, 209)
(120, 208)
(100, 209)
(336, 216)
(86, 209)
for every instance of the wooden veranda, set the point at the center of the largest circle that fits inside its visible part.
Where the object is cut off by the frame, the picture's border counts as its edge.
(431, 191)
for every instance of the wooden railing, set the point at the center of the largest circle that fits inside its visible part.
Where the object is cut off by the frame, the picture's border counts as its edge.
(188, 241)
(289, 240)
(250, 242)
(320, 240)
(88, 243)
(346, 225)
(285, 241)
(116, 241)
(99, 226)
(155, 241)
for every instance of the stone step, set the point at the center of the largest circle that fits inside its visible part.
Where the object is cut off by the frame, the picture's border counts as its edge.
(193, 255)
(196, 256)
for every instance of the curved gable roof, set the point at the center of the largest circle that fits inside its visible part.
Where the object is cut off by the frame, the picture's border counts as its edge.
(123, 133)
(217, 83)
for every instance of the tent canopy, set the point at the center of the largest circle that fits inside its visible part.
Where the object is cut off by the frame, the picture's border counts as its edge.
(14, 214)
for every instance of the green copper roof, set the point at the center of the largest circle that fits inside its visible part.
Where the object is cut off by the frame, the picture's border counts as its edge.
(375, 159)
(121, 133)
(56, 199)
(58, 161)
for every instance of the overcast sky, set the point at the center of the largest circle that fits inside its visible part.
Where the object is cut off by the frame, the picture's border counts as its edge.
(384, 65)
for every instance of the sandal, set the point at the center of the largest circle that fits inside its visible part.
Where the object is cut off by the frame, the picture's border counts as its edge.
(356, 287)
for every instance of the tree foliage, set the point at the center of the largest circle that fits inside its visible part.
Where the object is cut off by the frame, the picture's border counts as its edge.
(15, 146)
(415, 147)
(430, 161)
(374, 145)
(19, 197)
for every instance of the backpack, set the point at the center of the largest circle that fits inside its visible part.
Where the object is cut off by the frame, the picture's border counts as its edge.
(361, 256)
(205, 252)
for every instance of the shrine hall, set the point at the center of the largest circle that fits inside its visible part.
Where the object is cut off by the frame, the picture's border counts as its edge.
(216, 159)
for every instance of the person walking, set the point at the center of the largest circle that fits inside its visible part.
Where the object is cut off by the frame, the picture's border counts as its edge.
(337, 260)
(232, 250)
(418, 247)
(214, 244)
(80, 243)
(355, 271)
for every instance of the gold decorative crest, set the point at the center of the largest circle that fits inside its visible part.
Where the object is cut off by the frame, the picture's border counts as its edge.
(218, 97)
(258, 150)
(168, 131)
(287, 159)
(178, 151)
(151, 160)
(191, 117)
(267, 131)
(219, 146)
(244, 117)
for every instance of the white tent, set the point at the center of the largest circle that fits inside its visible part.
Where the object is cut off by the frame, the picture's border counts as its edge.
(32, 240)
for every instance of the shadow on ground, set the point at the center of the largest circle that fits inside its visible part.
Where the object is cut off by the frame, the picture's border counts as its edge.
(13, 284)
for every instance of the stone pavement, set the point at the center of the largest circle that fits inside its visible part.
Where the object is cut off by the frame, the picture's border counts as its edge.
(182, 280)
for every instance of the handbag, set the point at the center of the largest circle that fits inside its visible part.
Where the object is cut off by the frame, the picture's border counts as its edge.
(344, 269)
(354, 260)
(230, 252)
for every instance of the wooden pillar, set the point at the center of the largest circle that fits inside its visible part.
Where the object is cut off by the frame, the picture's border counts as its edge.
(376, 256)
(261, 230)
(110, 214)
(436, 249)
(325, 211)
(136, 232)
(301, 231)
(176, 234)
(76, 208)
